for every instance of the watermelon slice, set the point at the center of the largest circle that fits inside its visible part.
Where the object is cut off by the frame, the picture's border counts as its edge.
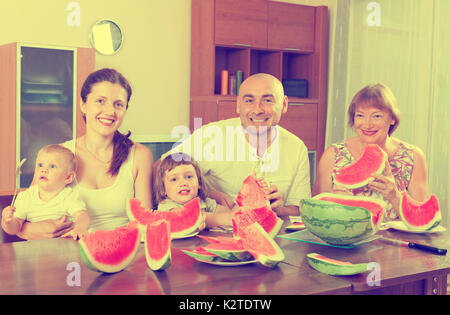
(199, 253)
(261, 245)
(420, 216)
(266, 217)
(334, 267)
(252, 194)
(110, 251)
(359, 173)
(157, 245)
(183, 221)
(229, 249)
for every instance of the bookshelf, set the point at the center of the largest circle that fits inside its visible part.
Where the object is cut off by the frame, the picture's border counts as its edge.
(287, 40)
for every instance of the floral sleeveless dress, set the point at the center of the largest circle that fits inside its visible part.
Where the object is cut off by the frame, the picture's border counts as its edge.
(401, 164)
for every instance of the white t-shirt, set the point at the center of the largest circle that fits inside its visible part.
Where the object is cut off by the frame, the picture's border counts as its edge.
(107, 206)
(31, 208)
(226, 158)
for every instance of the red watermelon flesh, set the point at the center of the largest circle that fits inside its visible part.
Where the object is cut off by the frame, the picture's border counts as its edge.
(110, 251)
(183, 221)
(420, 215)
(158, 245)
(266, 217)
(251, 194)
(261, 245)
(377, 208)
(359, 173)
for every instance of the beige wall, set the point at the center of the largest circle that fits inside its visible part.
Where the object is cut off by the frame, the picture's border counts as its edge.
(155, 56)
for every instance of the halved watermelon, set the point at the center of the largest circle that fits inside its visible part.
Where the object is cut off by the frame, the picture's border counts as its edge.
(266, 217)
(375, 205)
(261, 245)
(252, 194)
(420, 216)
(334, 267)
(110, 251)
(183, 221)
(359, 173)
(157, 245)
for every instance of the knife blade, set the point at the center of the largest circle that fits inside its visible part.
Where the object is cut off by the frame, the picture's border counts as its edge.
(427, 248)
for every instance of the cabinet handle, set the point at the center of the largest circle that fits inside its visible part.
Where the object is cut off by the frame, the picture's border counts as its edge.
(296, 104)
(242, 45)
(292, 49)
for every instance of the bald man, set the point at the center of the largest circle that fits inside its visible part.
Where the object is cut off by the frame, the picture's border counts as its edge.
(230, 150)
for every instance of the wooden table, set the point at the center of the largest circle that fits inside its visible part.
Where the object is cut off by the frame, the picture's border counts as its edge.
(48, 267)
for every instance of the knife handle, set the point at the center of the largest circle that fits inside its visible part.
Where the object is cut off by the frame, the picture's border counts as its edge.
(439, 251)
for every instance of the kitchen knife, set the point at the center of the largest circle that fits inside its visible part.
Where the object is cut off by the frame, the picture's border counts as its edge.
(427, 248)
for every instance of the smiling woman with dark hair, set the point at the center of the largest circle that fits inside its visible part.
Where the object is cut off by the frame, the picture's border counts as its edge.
(374, 116)
(112, 168)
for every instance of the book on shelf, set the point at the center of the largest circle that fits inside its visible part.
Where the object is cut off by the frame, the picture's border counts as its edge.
(224, 83)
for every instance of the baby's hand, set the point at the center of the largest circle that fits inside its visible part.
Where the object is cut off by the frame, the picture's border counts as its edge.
(76, 233)
(8, 214)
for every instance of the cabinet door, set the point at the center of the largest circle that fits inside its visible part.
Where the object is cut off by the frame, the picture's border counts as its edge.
(241, 23)
(226, 109)
(291, 27)
(301, 120)
(47, 102)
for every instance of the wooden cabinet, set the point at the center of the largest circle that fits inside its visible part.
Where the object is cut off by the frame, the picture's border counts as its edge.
(241, 23)
(229, 35)
(39, 95)
(291, 27)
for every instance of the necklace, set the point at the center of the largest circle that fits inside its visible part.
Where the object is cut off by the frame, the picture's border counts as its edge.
(95, 155)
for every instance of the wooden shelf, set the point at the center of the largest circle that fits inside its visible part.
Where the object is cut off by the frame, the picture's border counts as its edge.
(286, 40)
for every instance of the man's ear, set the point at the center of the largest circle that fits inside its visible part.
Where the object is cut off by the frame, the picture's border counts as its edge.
(285, 104)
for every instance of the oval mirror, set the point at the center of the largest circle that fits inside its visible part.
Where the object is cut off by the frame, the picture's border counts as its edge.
(106, 37)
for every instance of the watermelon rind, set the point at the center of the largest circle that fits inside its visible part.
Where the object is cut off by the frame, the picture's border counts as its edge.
(373, 160)
(322, 264)
(118, 240)
(166, 260)
(255, 238)
(416, 215)
(200, 256)
(368, 202)
(335, 223)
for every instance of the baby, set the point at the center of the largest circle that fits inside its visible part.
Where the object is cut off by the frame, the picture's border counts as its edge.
(178, 180)
(51, 197)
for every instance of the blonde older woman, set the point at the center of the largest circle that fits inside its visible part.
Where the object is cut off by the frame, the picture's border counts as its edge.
(374, 116)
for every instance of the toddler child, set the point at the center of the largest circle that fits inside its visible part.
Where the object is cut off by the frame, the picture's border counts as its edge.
(51, 197)
(178, 180)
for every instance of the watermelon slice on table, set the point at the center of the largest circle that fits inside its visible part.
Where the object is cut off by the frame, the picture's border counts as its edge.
(420, 216)
(157, 245)
(110, 251)
(252, 194)
(261, 245)
(334, 267)
(199, 253)
(265, 216)
(229, 249)
(359, 173)
(183, 221)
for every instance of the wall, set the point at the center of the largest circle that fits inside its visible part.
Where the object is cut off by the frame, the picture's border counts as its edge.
(155, 55)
